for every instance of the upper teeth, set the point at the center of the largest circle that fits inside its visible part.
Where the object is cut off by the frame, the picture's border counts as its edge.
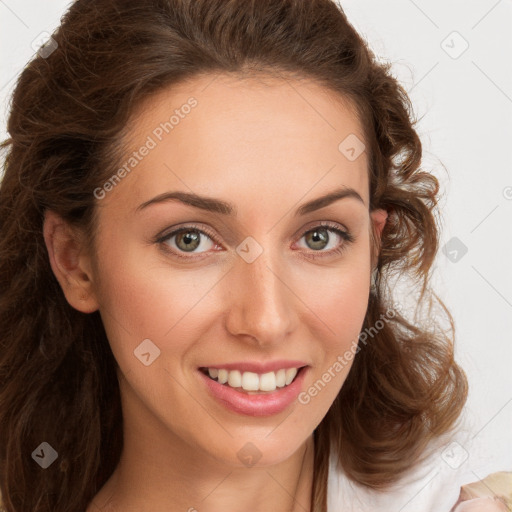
(250, 381)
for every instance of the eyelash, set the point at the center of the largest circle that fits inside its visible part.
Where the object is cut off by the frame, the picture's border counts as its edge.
(345, 235)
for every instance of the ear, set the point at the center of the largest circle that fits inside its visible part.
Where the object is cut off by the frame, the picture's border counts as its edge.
(69, 262)
(378, 219)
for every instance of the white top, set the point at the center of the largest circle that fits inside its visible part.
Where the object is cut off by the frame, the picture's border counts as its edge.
(429, 489)
(432, 486)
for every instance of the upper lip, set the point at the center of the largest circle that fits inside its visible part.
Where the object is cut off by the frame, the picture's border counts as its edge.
(258, 367)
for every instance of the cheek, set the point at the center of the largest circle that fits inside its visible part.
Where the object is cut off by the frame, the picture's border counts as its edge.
(140, 298)
(140, 302)
(337, 297)
(337, 304)
(343, 297)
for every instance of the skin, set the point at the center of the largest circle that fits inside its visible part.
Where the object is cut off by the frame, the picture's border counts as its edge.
(267, 147)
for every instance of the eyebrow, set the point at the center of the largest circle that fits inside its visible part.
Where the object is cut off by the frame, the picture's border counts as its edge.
(213, 205)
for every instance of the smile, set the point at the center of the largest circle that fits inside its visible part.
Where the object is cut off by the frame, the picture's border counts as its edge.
(253, 389)
(251, 381)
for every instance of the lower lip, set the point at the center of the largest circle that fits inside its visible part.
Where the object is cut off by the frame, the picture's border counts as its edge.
(265, 404)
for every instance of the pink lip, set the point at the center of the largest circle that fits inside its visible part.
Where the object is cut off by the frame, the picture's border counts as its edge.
(255, 405)
(252, 366)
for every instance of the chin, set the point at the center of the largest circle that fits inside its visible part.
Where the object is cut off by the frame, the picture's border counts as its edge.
(260, 450)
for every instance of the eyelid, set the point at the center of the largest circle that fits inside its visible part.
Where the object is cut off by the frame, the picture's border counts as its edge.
(166, 235)
(310, 226)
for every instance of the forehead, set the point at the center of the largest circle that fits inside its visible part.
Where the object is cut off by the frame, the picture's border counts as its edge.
(220, 135)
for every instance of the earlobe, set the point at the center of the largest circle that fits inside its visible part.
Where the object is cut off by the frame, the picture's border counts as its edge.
(70, 266)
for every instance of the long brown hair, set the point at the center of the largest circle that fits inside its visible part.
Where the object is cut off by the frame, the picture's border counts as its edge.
(67, 117)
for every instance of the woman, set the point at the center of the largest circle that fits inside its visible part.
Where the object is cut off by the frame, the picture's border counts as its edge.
(203, 206)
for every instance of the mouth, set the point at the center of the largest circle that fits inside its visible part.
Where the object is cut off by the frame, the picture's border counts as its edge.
(253, 383)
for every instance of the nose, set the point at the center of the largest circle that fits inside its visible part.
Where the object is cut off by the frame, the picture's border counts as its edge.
(260, 302)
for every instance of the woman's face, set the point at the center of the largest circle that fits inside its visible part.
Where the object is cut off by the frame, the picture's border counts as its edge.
(250, 291)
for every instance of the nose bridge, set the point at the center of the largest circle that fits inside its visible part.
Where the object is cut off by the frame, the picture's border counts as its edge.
(259, 300)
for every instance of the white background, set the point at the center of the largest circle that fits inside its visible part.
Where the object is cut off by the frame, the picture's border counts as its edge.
(465, 106)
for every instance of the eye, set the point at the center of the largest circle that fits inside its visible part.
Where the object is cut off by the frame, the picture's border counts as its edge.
(318, 238)
(187, 240)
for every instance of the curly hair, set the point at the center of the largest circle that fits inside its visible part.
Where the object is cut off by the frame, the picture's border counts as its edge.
(67, 119)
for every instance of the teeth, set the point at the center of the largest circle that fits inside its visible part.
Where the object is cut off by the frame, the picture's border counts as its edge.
(235, 379)
(250, 381)
(268, 381)
(281, 378)
(290, 375)
(223, 376)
